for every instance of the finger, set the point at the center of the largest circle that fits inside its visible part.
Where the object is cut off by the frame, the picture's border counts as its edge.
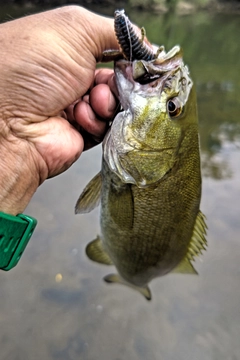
(103, 102)
(69, 111)
(104, 34)
(89, 140)
(113, 86)
(97, 34)
(106, 76)
(102, 76)
(87, 119)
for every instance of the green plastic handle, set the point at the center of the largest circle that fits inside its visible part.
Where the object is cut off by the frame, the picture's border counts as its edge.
(15, 233)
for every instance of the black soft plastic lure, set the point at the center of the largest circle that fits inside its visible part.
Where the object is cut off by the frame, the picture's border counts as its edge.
(132, 47)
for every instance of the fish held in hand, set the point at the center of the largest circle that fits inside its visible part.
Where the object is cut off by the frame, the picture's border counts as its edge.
(150, 183)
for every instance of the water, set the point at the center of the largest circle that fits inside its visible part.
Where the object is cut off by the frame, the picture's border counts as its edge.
(54, 304)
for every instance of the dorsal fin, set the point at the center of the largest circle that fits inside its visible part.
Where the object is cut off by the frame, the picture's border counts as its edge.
(115, 278)
(90, 197)
(184, 267)
(198, 240)
(197, 243)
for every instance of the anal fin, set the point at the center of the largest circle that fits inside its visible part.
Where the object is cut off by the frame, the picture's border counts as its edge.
(95, 252)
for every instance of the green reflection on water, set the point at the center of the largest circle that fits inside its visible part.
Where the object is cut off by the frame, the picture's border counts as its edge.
(211, 49)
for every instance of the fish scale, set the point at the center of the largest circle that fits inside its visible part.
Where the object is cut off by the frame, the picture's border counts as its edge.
(151, 225)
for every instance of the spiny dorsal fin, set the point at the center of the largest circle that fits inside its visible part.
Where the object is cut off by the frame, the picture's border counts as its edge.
(90, 197)
(95, 252)
(197, 243)
(114, 278)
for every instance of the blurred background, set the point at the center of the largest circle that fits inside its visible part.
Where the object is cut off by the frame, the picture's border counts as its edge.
(54, 304)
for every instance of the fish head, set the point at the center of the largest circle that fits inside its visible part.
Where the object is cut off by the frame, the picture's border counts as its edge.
(159, 112)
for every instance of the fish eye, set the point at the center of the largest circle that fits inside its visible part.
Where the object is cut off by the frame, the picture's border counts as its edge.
(174, 108)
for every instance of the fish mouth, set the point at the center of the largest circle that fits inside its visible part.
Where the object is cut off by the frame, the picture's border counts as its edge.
(147, 72)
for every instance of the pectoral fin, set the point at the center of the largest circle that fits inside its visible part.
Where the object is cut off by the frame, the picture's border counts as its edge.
(90, 197)
(95, 252)
(114, 278)
(197, 243)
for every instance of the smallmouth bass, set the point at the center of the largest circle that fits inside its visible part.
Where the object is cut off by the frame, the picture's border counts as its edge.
(150, 183)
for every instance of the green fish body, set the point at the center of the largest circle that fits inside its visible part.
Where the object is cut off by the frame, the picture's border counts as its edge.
(150, 183)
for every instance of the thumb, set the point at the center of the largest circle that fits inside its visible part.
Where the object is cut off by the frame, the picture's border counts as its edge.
(93, 32)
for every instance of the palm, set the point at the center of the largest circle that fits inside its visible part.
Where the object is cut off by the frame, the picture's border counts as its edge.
(57, 73)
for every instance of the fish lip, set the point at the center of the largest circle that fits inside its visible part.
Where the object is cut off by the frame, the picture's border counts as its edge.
(126, 68)
(144, 74)
(154, 85)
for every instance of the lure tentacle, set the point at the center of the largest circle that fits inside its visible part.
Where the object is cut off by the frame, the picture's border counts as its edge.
(133, 48)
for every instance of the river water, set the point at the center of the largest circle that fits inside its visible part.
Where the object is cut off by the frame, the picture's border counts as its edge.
(54, 304)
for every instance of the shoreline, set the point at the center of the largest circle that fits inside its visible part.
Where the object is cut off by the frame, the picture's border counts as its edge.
(181, 7)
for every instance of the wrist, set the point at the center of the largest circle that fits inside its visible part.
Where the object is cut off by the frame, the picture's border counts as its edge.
(19, 177)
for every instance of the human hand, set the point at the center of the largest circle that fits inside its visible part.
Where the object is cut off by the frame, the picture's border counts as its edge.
(47, 66)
